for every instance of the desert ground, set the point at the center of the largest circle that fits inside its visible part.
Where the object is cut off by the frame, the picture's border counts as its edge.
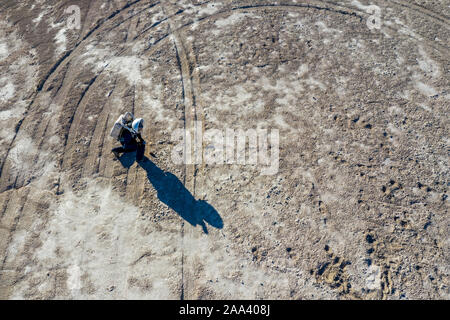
(358, 205)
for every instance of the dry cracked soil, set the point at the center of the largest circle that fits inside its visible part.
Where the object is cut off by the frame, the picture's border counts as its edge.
(356, 210)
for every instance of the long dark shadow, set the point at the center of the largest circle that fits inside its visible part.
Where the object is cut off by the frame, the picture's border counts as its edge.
(172, 192)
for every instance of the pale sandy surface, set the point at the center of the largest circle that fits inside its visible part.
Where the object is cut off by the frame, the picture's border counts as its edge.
(358, 208)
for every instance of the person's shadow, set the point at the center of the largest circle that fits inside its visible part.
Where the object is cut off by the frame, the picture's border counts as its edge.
(171, 191)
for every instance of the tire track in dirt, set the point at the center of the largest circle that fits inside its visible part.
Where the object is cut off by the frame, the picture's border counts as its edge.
(133, 190)
(42, 132)
(437, 46)
(78, 117)
(4, 200)
(91, 32)
(131, 17)
(53, 69)
(436, 17)
(189, 114)
(64, 75)
(18, 126)
(74, 123)
(65, 157)
(150, 27)
(100, 147)
(196, 115)
(198, 107)
(60, 97)
(141, 178)
(443, 49)
(131, 180)
(136, 180)
(60, 62)
(92, 163)
(16, 215)
(10, 208)
(336, 8)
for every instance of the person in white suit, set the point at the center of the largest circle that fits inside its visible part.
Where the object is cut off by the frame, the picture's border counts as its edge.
(127, 131)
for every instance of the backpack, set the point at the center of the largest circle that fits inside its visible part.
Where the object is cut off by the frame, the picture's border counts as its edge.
(120, 124)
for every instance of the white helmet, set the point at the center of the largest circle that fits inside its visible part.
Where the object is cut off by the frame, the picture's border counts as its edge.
(127, 117)
(137, 125)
